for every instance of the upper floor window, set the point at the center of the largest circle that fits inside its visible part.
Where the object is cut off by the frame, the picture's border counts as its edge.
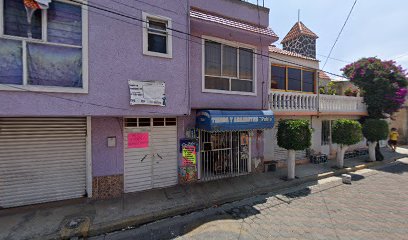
(157, 40)
(228, 68)
(42, 50)
(292, 79)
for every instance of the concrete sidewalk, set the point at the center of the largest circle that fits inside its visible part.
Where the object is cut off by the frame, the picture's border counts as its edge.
(87, 218)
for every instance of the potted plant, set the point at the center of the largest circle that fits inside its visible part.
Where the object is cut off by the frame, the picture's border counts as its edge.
(351, 92)
(294, 135)
(345, 133)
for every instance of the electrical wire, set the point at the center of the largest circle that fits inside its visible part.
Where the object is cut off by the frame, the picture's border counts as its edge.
(338, 36)
(104, 9)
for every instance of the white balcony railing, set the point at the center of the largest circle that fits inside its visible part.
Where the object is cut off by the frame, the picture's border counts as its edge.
(303, 102)
(286, 101)
(333, 103)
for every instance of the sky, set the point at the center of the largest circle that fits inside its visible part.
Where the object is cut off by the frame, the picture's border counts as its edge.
(375, 28)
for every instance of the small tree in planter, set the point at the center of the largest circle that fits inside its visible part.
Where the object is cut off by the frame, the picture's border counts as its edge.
(374, 130)
(294, 135)
(345, 133)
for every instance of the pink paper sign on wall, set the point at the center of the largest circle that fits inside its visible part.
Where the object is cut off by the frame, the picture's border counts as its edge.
(138, 140)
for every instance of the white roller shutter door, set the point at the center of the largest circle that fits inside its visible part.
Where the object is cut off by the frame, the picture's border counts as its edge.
(41, 160)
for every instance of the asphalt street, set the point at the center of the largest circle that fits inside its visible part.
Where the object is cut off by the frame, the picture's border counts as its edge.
(374, 206)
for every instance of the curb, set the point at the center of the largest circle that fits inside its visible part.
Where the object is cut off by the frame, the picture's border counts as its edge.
(99, 229)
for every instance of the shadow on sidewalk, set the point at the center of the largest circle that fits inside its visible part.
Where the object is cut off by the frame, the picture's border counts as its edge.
(215, 197)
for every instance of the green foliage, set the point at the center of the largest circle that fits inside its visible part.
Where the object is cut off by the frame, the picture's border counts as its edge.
(346, 132)
(330, 89)
(351, 92)
(375, 130)
(294, 134)
(383, 83)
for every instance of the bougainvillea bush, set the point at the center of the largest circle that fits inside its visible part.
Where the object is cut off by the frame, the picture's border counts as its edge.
(383, 84)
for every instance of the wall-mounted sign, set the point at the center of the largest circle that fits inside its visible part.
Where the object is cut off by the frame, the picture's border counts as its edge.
(222, 120)
(147, 93)
(138, 140)
(189, 155)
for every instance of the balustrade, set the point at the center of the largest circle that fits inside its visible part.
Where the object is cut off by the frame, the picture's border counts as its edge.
(304, 102)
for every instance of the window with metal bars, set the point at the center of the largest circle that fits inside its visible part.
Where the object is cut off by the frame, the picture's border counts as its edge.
(325, 132)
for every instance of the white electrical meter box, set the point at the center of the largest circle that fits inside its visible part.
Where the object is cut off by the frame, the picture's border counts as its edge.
(111, 141)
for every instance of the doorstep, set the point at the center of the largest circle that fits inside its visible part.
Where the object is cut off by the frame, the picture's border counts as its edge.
(96, 217)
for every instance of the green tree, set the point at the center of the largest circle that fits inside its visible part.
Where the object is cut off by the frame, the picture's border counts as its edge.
(345, 133)
(294, 135)
(383, 83)
(374, 130)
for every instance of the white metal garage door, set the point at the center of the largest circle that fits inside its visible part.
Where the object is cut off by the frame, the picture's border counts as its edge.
(41, 160)
(155, 165)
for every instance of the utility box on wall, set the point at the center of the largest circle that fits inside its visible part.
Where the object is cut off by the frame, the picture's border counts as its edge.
(112, 142)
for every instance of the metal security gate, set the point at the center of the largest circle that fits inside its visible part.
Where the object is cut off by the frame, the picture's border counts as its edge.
(41, 160)
(154, 165)
(224, 154)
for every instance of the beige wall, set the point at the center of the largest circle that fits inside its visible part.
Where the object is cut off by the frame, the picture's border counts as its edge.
(401, 123)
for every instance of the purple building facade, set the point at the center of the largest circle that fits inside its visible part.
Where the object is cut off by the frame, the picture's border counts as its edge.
(69, 97)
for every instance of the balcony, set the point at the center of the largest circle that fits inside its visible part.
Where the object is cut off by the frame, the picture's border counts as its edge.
(314, 104)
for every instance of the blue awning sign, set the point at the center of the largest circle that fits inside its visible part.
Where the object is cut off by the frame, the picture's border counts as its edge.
(220, 120)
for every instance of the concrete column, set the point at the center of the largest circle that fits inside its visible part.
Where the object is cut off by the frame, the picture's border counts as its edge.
(316, 134)
(268, 144)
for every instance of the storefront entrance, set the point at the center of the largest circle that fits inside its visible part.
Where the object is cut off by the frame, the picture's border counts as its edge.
(225, 141)
(224, 154)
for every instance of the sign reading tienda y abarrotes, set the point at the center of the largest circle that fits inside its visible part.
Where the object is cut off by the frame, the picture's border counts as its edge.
(147, 93)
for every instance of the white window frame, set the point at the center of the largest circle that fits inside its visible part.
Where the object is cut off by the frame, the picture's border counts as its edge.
(236, 45)
(43, 40)
(169, 42)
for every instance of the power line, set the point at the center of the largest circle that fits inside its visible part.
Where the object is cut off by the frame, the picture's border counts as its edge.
(337, 59)
(133, 7)
(104, 9)
(109, 10)
(338, 36)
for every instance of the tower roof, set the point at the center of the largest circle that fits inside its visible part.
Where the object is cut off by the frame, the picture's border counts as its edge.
(297, 30)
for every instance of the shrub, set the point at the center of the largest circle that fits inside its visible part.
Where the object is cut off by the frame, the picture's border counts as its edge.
(347, 132)
(351, 92)
(375, 130)
(294, 134)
